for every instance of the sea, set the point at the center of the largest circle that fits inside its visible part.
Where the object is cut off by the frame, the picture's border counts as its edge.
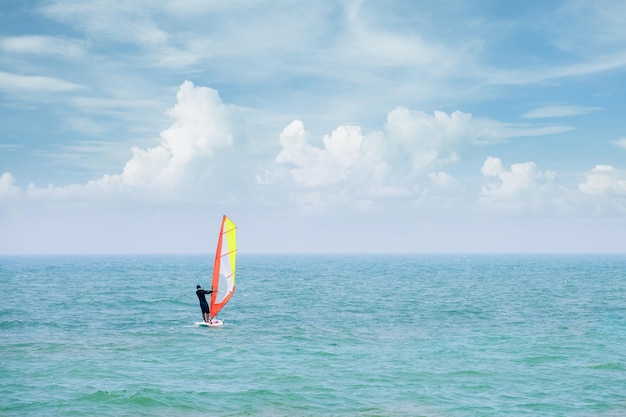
(315, 335)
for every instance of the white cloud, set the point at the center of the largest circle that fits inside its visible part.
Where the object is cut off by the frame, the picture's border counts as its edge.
(428, 140)
(584, 26)
(402, 162)
(126, 23)
(17, 83)
(604, 180)
(591, 66)
(7, 185)
(119, 21)
(621, 143)
(442, 134)
(370, 45)
(521, 187)
(393, 163)
(346, 153)
(42, 45)
(110, 106)
(441, 179)
(201, 127)
(558, 111)
(378, 163)
(347, 166)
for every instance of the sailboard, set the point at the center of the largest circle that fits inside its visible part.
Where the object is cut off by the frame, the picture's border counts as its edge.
(224, 269)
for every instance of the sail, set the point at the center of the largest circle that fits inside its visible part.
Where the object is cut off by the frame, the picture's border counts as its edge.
(223, 283)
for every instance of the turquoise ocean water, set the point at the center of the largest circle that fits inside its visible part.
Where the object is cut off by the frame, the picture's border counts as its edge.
(354, 335)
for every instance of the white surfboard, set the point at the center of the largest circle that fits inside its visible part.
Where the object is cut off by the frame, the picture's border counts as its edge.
(213, 323)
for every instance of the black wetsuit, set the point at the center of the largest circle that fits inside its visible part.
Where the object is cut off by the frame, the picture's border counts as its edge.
(203, 303)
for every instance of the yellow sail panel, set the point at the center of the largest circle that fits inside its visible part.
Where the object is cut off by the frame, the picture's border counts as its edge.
(224, 267)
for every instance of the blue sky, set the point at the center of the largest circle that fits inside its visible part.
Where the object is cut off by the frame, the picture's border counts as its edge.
(325, 126)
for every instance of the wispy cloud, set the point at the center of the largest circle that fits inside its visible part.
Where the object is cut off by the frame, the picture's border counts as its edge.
(14, 83)
(42, 45)
(586, 27)
(125, 23)
(558, 111)
(590, 66)
(87, 155)
(621, 142)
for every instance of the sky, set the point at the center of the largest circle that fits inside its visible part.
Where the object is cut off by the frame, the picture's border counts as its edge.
(328, 126)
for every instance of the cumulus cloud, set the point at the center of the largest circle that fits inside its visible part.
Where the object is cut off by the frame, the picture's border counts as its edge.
(621, 143)
(347, 166)
(389, 162)
(345, 153)
(441, 179)
(201, 127)
(604, 180)
(437, 139)
(523, 186)
(412, 142)
(7, 185)
(427, 139)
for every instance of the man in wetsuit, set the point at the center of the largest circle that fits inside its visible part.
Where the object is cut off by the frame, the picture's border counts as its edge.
(206, 313)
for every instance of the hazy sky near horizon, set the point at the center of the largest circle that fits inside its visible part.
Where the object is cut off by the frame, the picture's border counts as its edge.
(317, 126)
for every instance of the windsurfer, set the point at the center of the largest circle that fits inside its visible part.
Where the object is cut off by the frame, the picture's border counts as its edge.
(206, 313)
